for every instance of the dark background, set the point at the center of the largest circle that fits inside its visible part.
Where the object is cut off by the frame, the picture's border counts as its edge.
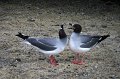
(108, 2)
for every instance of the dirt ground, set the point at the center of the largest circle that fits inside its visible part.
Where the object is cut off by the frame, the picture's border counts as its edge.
(42, 19)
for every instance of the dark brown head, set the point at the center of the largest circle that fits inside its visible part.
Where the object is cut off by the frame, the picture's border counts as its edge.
(62, 33)
(76, 28)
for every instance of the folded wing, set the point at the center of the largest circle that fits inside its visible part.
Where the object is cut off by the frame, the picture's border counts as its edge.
(47, 44)
(89, 41)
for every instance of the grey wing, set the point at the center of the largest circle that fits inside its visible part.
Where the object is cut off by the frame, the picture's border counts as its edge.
(85, 38)
(42, 45)
(48, 41)
(90, 41)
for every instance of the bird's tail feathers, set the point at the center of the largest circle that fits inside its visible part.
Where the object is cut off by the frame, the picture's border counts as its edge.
(22, 36)
(103, 37)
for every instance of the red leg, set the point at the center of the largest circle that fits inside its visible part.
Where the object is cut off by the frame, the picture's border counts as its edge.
(77, 60)
(82, 61)
(53, 60)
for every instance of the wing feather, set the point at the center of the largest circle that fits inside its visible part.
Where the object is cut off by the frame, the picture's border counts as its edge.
(42, 45)
(89, 41)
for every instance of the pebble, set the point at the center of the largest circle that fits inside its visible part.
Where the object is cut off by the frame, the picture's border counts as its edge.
(92, 25)
(18, 59)
(31, 20)
(13, 65)
(68, 64)
(103, 26)
(112, 77)
(41, 58)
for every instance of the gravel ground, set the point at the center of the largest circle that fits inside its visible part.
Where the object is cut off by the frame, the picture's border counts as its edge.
(42, 19)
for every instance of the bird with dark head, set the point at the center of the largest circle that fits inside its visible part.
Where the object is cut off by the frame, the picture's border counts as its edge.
(50, 46)
(76, 28)
(62, 33)
(83, 43)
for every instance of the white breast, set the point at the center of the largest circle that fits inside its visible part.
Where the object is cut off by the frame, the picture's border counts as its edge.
(74, 44)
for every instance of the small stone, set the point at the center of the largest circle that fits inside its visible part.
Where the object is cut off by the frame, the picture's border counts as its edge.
(50, 30)
(18, 59)
(68, 64)
(40, 13)
(104, 26)
(96, 66)
(55, 69)
(57, 55)
(92, 25)
(59, 12)
(13, 65)
(56, 25)
(41, 58)
(71, 56)
(42, 25)
(64, 69)
(45, 35)
(75, 69)
(115, 50)
(112, 77)
(28, 52)
(49, 70)
(31, 20)
(28, 7)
